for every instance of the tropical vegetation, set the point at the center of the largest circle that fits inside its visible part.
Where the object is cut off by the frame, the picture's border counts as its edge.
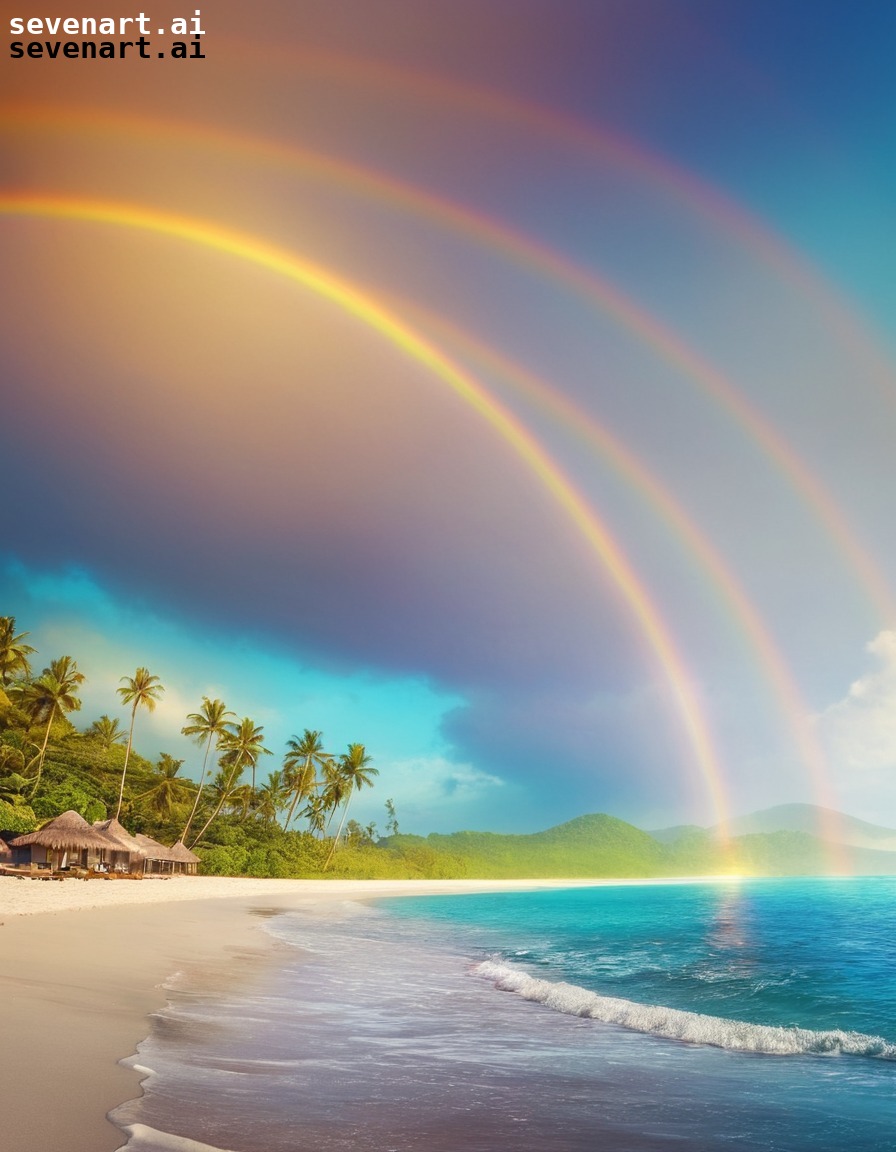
(237, 822)
(295, 822)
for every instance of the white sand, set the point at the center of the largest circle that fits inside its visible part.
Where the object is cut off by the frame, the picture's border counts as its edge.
(24, 897)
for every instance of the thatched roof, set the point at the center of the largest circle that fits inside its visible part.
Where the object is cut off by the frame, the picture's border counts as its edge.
(152, 849)
(66, 831)
(5, 849)
(121, 840)
(182, 854)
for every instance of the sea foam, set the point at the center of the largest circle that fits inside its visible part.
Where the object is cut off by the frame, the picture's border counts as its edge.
(673, 1024)
(146, 1139)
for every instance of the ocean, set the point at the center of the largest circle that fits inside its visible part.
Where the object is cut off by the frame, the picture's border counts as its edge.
(749, 1015)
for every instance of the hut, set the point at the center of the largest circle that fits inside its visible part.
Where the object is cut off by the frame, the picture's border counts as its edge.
(158, 858)
(124, 853)
(182, 855)
(66, 841)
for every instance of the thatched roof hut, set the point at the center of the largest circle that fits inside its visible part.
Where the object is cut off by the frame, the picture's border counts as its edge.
(176, 859)
(122, 840)
(68, 832)
(152, 849)
(182, 853)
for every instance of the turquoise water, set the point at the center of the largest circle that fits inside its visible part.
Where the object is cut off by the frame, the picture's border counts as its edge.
(756, 1016)
(817, 955)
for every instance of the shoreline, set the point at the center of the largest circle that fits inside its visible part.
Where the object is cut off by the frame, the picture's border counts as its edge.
(86, 964)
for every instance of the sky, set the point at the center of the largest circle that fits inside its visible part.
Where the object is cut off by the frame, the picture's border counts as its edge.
(506, 385)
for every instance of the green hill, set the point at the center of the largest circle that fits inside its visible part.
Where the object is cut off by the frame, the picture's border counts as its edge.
(596, 845)
(601, 846)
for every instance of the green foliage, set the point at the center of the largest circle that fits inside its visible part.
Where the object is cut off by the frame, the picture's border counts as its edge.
(782, 853)
(223, 860)
(14, 789)
(57, 798)
(12, 759)
(17, 818)
(590, 846)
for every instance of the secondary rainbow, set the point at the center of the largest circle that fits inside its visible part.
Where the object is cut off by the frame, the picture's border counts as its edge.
(707, 202)
(695, 544)
(596, 290)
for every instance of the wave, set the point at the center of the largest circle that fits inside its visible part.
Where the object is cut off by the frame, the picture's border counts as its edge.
(673, 1024)
(145, 1139)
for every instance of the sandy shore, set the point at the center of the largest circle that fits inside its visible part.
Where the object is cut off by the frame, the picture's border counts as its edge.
(84, 963)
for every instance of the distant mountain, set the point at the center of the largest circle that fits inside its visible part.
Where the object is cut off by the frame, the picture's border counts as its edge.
(676, 832)
(825, 823)
(780, 841)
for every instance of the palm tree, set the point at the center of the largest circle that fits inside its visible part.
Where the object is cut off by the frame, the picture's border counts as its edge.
(299, 767)
(273, 795)
(52, 693)
(240, 800)
(332, 788)
(355, 770)
(13, 652)
(242, 746)
(168, 791)
(143, 688)
(316, 812)
(219, 789)
(207, 725)
(106, 732)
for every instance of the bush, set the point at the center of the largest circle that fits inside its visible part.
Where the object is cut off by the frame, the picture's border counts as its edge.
(19, 818)
(60, 798)
(268, 862)
(223, 860)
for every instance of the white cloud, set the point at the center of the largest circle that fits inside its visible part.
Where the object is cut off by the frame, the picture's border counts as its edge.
(431, 794)
(859, 733)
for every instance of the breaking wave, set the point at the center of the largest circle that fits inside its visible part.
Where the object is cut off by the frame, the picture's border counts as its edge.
(690, 1027)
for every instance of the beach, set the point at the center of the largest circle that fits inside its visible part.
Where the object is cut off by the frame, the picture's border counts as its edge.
(85, 964)
(208, 1013)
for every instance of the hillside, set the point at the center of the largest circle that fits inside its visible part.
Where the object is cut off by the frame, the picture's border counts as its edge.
(816, 821)
(595, 845)
(601, 846)
(790, 838)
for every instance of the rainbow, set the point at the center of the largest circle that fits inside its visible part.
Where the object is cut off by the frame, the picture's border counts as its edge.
(366, 310)
(533, 255)
(696, 546)
(702, 199)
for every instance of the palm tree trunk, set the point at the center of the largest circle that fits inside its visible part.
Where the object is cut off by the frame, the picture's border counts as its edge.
(292, 808)
(295, 800)
(339, 830)
(221, 804)
(127, 757)
(43, 751)
(208, 745)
